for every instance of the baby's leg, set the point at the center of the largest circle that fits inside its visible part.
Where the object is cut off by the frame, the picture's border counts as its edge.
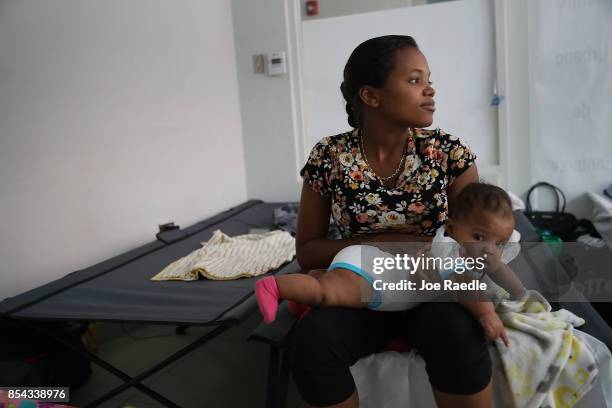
(301, 309)
(338, 287)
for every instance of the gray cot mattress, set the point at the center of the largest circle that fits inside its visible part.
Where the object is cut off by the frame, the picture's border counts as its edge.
(120, 288)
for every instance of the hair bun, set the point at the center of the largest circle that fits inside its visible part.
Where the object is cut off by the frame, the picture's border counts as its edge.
(370, 63)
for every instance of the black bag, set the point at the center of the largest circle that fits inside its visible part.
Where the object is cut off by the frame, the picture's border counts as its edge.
(558, 222)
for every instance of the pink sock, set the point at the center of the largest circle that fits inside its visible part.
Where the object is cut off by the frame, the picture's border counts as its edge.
(266, 292)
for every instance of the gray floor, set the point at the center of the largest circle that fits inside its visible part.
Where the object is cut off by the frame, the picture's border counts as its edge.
(226, 372)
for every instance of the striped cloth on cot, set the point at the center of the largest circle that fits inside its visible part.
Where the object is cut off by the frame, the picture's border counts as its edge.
(224, 257)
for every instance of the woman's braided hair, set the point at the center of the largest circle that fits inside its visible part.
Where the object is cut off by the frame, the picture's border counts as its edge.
(370, 64)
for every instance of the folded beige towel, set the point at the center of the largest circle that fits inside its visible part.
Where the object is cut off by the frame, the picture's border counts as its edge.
(224, 257)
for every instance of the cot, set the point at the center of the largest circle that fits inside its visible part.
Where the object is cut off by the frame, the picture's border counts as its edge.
(120, 290)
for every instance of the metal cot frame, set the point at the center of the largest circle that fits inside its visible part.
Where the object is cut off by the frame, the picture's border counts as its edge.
(233, 315)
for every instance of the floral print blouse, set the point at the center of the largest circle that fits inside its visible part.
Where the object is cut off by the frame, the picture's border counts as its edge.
(360, 202)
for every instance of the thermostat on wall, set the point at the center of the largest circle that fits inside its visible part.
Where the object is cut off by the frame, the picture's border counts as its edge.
(277, 63)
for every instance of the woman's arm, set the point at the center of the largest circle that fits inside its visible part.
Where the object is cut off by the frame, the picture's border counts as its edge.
(314, 250)
(467, 177)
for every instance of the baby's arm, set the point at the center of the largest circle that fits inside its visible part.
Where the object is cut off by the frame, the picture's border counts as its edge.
(338, 287)
(484, 312)
(505, 277)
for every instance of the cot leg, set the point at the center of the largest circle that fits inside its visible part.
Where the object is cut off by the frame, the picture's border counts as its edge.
(128, 380)
(283, 380)
(278, 378)
(273, 377)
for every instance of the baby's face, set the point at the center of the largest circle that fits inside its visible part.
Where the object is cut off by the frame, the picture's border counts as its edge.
(482, 232)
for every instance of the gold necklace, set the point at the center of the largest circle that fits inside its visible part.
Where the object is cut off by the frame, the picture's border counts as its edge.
(365, 158)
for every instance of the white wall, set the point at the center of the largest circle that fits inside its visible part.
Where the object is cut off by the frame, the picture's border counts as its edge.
(571, 85)
(564, 165)
(332, 8)
(115, 116)
(270, 125)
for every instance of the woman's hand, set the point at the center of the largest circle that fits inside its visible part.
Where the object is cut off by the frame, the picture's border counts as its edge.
(313, 249)
(402, 243)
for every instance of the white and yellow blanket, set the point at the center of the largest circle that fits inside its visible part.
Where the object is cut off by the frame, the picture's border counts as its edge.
(546, 364)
